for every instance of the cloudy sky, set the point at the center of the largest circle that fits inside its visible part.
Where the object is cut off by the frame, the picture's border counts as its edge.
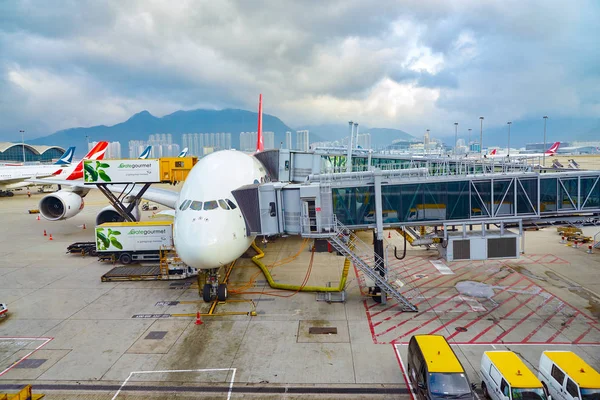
(409, 65)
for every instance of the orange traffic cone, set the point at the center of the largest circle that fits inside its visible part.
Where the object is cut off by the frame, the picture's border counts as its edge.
(389, 234)
(45, 234)
(83, 226)
(198, 319)
(50, 238)
(38, 218)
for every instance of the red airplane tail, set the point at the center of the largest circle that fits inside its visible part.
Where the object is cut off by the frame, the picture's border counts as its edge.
(259, 140)
(493, 153)
(553, 149)
(96, 153)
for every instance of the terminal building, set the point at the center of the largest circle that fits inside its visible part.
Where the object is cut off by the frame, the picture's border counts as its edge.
(13, 152)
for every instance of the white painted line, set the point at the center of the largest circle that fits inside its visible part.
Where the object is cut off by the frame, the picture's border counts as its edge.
(494, 347)
(46, 340)
(181, 370)
(404, 372)
(441, 267)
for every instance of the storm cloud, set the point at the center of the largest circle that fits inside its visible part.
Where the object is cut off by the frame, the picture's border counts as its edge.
(410, 65)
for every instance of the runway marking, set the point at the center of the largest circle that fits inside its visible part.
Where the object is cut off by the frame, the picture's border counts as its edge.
(45, 339)
(181, 370)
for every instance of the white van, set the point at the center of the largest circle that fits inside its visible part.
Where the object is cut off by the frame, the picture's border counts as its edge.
(505, 377)
(567, 377)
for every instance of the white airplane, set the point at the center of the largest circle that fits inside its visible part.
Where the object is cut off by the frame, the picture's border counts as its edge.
(209, 229)
(550, 152)
(18, 176)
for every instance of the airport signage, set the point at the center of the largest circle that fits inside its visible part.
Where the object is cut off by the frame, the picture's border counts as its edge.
(121, 171)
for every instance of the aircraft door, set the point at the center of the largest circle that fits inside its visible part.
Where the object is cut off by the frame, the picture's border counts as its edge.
(309, 216)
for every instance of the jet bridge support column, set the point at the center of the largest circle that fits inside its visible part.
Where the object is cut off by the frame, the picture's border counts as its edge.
(117, 202)
(378, 234)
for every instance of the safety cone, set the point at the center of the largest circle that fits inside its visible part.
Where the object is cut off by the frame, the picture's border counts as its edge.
(50, 238)
(389, 235)
(45, 234)
(589, 249)
(83, 226)
(562, 240)
(38, 218)
(198, 319)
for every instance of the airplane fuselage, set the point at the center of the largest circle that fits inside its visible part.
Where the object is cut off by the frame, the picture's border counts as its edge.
(209, 228)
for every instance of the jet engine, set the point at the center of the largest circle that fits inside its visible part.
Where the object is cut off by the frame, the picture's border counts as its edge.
(61, 205)
(109, 214)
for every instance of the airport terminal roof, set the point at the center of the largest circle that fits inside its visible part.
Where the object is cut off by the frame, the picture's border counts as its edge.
(36, 149)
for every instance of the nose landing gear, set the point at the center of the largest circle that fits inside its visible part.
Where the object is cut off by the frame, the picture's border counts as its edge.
(212, 288)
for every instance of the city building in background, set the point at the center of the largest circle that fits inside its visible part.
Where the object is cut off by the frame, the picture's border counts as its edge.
(302, 140)
(248, 140)
(113, 151)
(136, 147)
(288, 140)
(201, 144)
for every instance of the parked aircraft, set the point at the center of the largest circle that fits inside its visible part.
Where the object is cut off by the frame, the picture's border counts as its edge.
(550, 152)
(18, 177)
(209, 228)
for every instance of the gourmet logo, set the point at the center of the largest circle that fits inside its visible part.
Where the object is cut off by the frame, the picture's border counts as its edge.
(147, 231)
(133, 166)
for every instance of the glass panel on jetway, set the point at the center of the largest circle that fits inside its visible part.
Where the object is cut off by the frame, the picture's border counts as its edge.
(526, 196)
(548, 196)
(504, 196)
(590, 192)
(567, 190)
(352, 206)
(481, 194)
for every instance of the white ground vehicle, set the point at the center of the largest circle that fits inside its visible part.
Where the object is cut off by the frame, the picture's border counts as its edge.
(505, 377)
(567, 377)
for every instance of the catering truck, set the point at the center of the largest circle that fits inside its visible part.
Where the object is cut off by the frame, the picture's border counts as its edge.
(133, 241)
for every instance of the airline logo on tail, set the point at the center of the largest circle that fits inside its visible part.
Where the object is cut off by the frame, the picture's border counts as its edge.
(146, 153)
(553, 149)
(183, 153)
(97, 153)
(493, 153)
(67, 157)
(259, 140)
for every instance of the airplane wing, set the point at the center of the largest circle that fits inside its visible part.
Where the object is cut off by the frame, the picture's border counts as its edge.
(164, 197)
(8, 181)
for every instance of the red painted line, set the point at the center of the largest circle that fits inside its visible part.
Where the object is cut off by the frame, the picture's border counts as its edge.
(582, 335)
(452, 277)
(495, 308)
(370, 324)
(564, 325)
(410, 319)
(449, 322)
(544, 322)
(499, 337)
(486, 330)
(46, 341)
(417, 328)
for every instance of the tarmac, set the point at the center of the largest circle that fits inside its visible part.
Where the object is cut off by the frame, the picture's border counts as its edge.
(74, 337)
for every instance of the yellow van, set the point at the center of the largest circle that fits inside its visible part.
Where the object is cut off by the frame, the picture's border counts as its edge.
(505, 377)
(567, 377)
(435, 371)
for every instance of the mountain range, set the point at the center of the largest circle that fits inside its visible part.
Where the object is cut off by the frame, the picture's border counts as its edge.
(142, 124)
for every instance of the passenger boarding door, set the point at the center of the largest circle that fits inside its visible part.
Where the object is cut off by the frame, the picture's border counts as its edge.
(556, 388)
(309, 216)
(571, 391)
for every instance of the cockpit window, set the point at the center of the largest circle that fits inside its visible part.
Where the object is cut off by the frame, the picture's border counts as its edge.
(231, 204)
(185, 205)
(223, 205)
(210, 205)
(196, 206)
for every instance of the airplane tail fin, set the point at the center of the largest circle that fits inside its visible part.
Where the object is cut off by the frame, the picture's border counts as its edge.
(553, 149)
(96, 153)
(183, 153)
(493, 153)
(146, 153)
(259, 140)
(67, 157)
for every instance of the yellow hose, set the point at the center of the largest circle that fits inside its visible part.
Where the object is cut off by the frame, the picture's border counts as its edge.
(284, 286)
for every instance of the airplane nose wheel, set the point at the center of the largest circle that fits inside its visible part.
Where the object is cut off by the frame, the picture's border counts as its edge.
(213, 289)
(206, 295)
(222, 292)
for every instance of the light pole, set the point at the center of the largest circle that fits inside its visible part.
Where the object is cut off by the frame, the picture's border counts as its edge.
(23, 143)
(481, 137)
(544, 149)
(428, 139)
(455, 136)
(508, 149)
(469, 143)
